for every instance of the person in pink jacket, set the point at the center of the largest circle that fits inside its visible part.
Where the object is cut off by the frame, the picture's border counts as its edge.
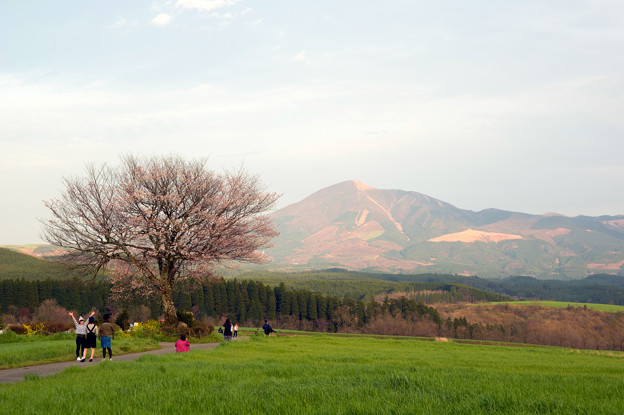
(182, 345)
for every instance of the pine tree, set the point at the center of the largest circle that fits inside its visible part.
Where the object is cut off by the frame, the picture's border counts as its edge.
(231, 294)
(271, 309)
(294, 304)
(312, 312)
(209, 303)
(240, 311)
(279, 298)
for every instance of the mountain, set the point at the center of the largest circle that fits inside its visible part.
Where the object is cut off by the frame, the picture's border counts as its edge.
(355, 226)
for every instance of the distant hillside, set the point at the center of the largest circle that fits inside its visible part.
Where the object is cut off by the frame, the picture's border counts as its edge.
(601, 289)
(38, 250)
(355, 226)
(15, 265)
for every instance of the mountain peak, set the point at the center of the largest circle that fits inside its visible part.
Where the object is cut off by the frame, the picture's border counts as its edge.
(352, 184)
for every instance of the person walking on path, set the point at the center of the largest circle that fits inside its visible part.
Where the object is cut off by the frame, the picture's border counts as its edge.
(107, 331)
(81, 333)
(182, 345)
(91, 339)
(227, 330)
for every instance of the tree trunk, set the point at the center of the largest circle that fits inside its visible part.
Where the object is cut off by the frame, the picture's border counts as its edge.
(171, 317)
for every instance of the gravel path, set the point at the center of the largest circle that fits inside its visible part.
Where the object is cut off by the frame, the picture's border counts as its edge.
(18, 374)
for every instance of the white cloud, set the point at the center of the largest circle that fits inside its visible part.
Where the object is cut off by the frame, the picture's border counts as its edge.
(205, 5)
(162, 19)
(247, 10)
(301, 57)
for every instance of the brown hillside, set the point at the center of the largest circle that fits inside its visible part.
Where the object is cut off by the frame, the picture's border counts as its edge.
(355, 226)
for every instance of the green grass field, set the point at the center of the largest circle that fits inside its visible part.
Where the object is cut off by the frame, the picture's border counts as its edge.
(335, 375)
(561, 304)
(21, 351)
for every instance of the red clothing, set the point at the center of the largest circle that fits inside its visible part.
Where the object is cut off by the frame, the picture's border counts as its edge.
(182, 346)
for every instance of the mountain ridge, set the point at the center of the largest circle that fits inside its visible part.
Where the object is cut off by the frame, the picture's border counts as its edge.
(356, 226)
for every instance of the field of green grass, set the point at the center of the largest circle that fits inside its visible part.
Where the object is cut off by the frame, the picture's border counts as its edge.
(335, 375)
(21, 351)
(562, 304)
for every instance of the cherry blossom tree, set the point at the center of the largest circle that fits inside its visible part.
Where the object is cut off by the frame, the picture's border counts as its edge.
(154, 221)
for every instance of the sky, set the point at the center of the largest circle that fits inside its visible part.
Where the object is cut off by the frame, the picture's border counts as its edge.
(482, 104)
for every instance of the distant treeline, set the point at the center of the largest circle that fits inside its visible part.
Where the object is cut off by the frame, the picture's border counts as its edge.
(239, 300)
(605, 289)
(600, 288)
(248, 302)
(366, 288)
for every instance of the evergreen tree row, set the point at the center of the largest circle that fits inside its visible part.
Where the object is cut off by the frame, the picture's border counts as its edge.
(239, 300)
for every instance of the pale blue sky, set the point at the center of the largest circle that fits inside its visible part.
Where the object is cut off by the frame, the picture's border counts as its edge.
(504, 104)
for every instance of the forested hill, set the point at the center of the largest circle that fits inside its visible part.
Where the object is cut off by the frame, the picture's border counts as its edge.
(600, 288)
(15, 265)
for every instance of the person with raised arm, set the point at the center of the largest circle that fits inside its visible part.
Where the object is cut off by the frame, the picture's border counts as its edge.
(81, 334)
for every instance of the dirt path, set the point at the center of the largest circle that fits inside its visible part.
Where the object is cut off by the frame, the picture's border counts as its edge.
(18, 374)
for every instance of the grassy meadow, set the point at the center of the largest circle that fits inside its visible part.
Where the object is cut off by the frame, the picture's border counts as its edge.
(564, 304)
(335, 375)
(21, 351)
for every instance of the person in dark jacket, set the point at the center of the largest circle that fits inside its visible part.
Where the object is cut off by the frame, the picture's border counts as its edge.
(267, 328)
(107, 332)
(227, 330)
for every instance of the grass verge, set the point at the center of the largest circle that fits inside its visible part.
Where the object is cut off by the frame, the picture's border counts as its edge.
(21, 351)
(336, 375)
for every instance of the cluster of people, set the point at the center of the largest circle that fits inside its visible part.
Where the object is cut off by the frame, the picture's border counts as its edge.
(87, 334)
(229, 330)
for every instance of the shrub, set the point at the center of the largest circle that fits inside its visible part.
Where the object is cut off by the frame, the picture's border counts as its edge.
(122, 320)
(52, 327)
(8, 336)
(49, 310)
(199, 328)
(182, 328)
(8, 319)
(17, 328)
(147, 329)
(185, 317)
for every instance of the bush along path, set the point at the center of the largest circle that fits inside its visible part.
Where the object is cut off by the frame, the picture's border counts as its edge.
(19, 374)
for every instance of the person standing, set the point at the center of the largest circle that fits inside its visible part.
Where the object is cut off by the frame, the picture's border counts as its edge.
(236, 330)
(107, 331)
(91, 339)
(227, 330)
(81, 332)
